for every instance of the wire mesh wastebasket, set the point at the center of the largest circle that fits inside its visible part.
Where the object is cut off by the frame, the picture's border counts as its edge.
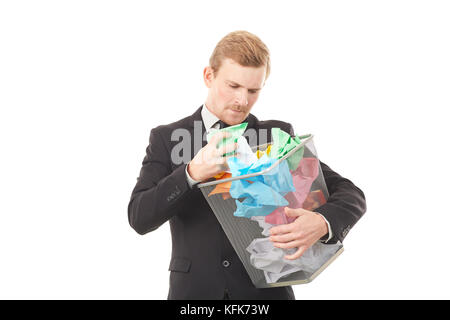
(247, 234)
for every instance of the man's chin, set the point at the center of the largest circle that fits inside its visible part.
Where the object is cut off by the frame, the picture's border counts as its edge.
(235, 118)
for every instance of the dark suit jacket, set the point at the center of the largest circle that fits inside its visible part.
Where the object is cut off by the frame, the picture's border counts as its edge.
(200, 247)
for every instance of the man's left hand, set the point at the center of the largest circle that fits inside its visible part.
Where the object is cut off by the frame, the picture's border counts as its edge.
(306, 230)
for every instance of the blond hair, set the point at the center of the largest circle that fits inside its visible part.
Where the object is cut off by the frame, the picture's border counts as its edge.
(244, 48)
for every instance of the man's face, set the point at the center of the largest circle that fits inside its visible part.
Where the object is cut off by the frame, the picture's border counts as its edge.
(233, 90)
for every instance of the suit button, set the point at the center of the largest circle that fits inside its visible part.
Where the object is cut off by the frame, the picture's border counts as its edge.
(226, 263)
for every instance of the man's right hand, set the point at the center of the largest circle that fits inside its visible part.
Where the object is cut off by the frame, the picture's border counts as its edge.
(209, 161)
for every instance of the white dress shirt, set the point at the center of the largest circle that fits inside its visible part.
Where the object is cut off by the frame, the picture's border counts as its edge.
(210, 121)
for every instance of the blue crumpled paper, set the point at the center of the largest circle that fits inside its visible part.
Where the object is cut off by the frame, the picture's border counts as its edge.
(264, 193)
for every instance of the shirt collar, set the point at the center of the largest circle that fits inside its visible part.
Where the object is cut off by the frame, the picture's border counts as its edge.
(209, 119)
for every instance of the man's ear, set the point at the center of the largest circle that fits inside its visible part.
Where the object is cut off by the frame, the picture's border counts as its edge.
(208, 76)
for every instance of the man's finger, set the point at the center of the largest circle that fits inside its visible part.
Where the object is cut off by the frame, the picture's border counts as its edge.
(301, 250)
(285, 228)
(230, 147)
(288, 245)
(217, 137)
(284, 237)
(225, 160)
(230, 156)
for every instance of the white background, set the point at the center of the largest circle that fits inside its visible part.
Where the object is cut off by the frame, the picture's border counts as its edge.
(83, 82)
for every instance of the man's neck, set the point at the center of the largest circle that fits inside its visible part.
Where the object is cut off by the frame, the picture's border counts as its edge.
(212, 112)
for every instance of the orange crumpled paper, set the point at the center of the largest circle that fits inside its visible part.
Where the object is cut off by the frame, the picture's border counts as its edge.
(223, 187)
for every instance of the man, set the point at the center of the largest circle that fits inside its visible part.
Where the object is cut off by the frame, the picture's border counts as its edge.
(204, 265)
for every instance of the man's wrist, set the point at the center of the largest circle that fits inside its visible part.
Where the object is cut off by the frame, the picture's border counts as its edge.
(192, 182)
(325, 238)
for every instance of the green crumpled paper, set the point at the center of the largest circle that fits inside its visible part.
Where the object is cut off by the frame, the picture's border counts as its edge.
(282, 144)
(236, 131)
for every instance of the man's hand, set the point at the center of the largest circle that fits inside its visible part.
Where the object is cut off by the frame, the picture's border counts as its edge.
(306, 230)
(209, 161)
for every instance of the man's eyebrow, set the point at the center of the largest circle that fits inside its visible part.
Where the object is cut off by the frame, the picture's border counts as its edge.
(237, 84)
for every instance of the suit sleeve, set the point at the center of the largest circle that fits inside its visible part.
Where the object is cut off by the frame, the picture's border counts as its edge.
(345, 205)
(159, 190)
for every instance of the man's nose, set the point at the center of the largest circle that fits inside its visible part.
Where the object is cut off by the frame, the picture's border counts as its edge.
(242, 98)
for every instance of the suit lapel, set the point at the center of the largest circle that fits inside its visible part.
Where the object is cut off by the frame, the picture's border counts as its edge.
(197, 130)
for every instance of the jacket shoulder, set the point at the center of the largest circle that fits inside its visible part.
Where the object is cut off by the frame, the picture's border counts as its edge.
(166, 129)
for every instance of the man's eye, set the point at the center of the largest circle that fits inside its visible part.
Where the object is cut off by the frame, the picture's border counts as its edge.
(234, 87)
(252, 91)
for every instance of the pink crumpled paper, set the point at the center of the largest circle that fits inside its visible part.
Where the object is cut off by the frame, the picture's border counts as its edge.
(303, 177)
